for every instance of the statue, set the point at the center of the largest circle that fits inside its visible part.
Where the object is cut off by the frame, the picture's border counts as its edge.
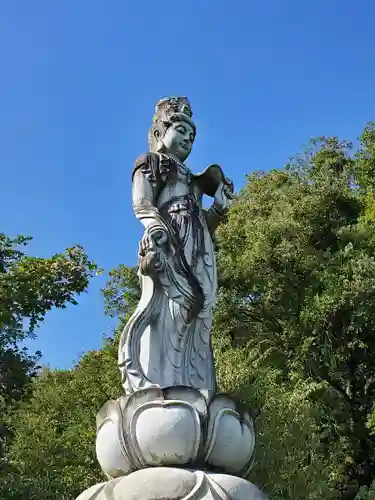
(172, 435)
(167, 340)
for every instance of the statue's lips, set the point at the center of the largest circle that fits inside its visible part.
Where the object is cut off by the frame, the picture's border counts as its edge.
(183, 146)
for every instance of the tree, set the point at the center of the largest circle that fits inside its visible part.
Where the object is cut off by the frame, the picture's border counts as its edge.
(53, 452)
(122, 293)
(298, 285)
(29, 288)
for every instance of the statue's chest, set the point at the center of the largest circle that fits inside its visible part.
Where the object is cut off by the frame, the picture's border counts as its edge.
(178, 183)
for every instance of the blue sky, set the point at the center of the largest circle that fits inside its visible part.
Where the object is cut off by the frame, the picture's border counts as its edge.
(79, 81)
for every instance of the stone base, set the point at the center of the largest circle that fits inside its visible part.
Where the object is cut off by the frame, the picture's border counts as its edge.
(174, 427)
(163, 483)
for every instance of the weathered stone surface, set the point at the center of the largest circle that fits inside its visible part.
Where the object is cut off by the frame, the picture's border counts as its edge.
(167, 341)
(174, 427)
(174, 484)
(237, 488)
(93, 492)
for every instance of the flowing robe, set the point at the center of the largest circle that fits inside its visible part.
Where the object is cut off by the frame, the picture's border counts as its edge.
(167, 341)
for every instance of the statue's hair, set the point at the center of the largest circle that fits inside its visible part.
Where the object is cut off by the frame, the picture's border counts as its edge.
(167, 111)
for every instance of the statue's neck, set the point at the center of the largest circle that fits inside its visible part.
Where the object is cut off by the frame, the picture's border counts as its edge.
(174, 158)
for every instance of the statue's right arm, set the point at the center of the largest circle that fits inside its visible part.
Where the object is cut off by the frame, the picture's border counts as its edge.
(145, 188)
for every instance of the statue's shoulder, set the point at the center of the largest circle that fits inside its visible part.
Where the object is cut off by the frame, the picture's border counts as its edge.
(146, 159)
(153, 167)
(148, 163)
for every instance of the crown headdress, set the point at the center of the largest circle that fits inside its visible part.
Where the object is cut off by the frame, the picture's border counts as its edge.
(172, 109)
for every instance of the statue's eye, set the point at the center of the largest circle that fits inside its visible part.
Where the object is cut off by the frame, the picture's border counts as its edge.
(181, 129)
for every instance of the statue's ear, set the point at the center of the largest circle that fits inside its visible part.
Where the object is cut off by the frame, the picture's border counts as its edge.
(157, 134)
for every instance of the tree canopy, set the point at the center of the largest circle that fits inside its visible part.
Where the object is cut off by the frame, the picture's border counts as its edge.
(297, 261)
(29, 288)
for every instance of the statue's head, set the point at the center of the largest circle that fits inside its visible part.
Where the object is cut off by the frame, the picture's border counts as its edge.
(173, 130)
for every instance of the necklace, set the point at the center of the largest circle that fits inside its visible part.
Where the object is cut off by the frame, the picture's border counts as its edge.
(189, 173)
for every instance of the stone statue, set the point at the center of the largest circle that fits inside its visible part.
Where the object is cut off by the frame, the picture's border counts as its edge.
(167, 341)
(172, 436)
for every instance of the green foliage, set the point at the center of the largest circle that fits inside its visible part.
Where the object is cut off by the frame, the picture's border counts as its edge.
(288, 464)
(52, 454)
(29, 288)
(298, 285)
(364, 160)
(122, 292)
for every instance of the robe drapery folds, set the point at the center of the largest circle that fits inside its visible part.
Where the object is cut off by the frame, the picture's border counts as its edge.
(167, 341)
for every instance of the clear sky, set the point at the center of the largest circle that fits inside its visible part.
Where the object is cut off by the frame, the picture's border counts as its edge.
(79, 81)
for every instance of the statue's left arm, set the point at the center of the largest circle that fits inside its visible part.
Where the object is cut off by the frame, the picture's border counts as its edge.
(218, 211)
(214, 217)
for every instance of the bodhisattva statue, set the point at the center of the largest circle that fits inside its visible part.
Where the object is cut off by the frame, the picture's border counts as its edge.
(167, 340)
(171, 436)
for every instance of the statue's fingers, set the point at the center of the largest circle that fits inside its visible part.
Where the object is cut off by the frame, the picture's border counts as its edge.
(229, 193)
(145, 243)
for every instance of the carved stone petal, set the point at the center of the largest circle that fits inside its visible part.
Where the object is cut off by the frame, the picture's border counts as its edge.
(152, 427)
(237, 488)
(189, 395)
(166, 433)
(230, 437)
(161, 483)
(111, 450)
(94, 492)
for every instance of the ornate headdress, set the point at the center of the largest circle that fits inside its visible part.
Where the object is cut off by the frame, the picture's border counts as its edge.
(167, 111)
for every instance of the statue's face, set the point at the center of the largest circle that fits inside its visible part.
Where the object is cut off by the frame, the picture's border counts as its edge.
(178, 139)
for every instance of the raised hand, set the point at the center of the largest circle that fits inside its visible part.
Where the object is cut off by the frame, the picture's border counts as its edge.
(223, 196)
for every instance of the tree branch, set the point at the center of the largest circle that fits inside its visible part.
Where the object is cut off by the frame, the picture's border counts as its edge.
(334, 385)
